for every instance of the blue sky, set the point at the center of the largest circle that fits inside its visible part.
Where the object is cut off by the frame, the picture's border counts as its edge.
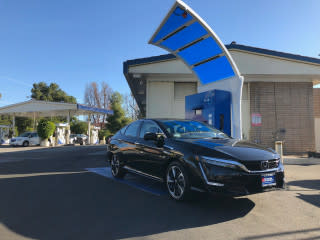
(75, 42)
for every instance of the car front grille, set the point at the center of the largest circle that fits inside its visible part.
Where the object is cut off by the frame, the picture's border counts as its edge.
(261, 165)
(13, 140)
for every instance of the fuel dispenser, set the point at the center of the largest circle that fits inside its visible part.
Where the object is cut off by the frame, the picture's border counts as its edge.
(94, 139)
(62, 133)
(4, 134)
(212, 107)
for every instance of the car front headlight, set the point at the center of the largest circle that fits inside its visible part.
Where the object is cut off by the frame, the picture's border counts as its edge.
(224, 163)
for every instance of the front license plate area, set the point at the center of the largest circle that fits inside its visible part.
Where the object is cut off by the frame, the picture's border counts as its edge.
(268, 180)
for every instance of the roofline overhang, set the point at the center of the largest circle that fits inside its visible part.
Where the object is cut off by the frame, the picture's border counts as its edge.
(230, 47)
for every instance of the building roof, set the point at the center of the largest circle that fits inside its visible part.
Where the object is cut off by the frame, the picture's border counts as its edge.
(231, 46)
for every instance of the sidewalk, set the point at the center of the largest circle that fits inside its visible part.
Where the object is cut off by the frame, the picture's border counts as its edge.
(300, 160)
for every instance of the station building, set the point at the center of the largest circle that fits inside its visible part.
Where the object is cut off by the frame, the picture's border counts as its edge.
(278, 98)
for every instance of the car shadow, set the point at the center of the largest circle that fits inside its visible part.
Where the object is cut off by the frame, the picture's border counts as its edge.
(83, 205)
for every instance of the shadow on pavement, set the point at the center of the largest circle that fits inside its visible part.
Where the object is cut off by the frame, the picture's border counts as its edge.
(311, 184)
(313, 199)
(87, 206)
(68, 158)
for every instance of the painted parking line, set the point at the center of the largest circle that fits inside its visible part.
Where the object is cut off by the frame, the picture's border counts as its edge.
(138, 182)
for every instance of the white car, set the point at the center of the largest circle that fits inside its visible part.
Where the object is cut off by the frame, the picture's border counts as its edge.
(26, 139)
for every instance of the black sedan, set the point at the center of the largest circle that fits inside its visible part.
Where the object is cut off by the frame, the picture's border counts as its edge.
(188, 155)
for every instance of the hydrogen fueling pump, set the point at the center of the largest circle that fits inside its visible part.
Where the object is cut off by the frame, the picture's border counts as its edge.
(212, 107)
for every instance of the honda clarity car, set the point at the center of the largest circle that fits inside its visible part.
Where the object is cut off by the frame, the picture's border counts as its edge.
(189, 156)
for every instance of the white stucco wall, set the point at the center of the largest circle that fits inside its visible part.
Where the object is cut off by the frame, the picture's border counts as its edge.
(161, 77)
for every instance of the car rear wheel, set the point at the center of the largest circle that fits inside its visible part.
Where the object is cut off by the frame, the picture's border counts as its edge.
(116, 169)
(177, 181)
(25, 144)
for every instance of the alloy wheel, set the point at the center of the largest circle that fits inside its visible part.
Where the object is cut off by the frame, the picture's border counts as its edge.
(176, 182)
(115, 165)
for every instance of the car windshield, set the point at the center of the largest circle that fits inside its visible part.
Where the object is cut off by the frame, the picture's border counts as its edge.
(192, 129)
(26, 134)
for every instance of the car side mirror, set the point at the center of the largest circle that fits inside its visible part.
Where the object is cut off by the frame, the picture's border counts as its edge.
(158, 138)
(150, 136)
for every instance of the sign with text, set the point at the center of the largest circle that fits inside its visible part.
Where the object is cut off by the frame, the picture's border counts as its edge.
(256, 119)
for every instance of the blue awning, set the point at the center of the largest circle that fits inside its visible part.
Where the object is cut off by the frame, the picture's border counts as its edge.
(187, 36)
(93, 109)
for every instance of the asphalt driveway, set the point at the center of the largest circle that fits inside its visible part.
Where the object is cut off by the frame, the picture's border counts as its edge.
(67, 193)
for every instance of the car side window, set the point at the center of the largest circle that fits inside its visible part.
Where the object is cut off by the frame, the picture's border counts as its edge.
(34, 135)
(132, 129)
(149, 126)
(122, 130)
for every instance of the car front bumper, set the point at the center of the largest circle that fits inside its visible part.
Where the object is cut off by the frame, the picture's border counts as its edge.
(233, 182)
(16, 143)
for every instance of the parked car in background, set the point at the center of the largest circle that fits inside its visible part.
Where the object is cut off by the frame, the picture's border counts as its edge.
(81, 139)
(188, 155)
(25, 139)
(72, 138)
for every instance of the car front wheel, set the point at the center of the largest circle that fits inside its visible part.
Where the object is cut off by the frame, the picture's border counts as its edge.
(116, 169)
(25, 144)
(177, 181)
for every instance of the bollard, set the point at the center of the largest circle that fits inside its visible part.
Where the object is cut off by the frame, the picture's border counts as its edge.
(278, 148)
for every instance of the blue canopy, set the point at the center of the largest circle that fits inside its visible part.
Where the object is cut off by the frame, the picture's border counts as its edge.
(186, 35)
(93, 109)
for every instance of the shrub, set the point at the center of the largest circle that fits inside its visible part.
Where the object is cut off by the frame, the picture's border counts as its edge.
(103, 134)
(45, 128)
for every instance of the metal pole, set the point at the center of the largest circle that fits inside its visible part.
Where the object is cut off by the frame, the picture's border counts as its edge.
(13, 125)
(279, 149)
(89, 126)
(68, 129)
(34, 121)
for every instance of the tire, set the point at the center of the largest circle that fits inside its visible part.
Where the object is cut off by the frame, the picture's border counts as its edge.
(116, 169)
(25, 144)
(177, 182)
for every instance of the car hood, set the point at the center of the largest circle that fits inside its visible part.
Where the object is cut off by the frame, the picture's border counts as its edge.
(238, 149)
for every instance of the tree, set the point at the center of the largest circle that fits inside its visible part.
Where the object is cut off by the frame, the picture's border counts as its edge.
(99, 98)
(118, 120)
(23, 124)
(78, 127)
(131, 107)
(53, 93)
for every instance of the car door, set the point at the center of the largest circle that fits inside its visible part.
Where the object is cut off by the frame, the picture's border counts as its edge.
(152, 156)
(33, 137)
(129, 149)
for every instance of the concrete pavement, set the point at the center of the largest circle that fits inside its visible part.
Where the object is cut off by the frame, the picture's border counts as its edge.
(49, 194)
